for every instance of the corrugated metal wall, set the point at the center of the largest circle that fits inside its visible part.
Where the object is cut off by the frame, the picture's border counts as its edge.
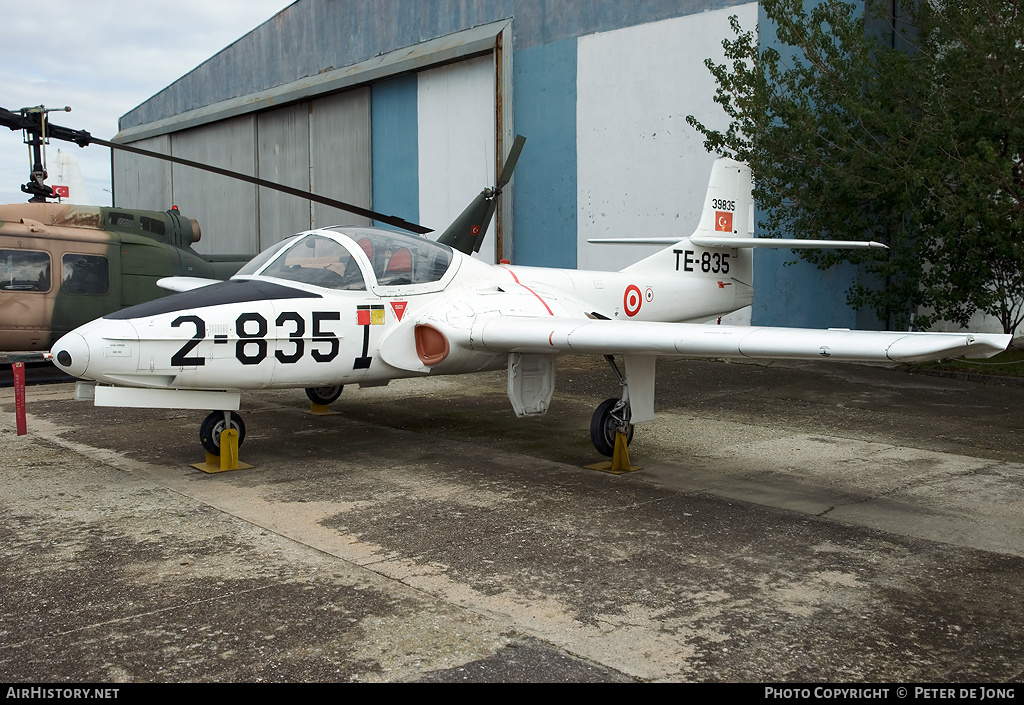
(395, 148)
(323, 145)
(339, 155)
(602, 89)
(142, 182)
(283, 157)
(226, 208)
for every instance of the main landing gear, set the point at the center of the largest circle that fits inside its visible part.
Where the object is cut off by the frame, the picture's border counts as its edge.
(323, 395)
(611, 417)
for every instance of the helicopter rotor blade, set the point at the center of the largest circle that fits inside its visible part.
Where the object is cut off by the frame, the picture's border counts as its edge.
(341, 205)
(82, 138)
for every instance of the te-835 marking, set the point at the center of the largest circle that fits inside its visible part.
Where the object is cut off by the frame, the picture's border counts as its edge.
(709, 262)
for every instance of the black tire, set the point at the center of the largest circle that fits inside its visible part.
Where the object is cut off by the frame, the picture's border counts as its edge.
(323, 395)
(210, 430)
(603, 428)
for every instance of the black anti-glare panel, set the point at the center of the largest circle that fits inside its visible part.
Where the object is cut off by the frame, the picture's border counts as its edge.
(229, 292)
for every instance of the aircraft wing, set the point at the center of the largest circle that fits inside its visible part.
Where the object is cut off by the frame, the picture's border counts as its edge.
(602, 337)
(185, 283)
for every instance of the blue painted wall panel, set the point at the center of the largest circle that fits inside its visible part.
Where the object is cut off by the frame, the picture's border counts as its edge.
(800, 295)
(546, 174)
(545, 180)
(395, 148)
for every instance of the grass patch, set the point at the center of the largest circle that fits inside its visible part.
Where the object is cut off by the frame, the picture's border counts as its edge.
(1009, 363)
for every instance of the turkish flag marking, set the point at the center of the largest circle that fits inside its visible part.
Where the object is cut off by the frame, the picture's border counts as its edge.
(62, 191)
(723, 222)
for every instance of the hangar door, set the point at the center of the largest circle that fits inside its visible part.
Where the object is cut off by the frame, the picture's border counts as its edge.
(457, 129)
(321, 144)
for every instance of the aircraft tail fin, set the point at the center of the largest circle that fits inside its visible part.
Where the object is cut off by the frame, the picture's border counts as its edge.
(66, 173)
(727, 221)
(728, 205)
(466, 233)
(726, 218)
(728, 212)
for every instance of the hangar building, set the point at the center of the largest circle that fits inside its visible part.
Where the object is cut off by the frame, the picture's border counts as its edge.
(408, 107)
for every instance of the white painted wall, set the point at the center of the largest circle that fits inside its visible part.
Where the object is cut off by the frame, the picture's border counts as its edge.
(642, 171)
(456, 111)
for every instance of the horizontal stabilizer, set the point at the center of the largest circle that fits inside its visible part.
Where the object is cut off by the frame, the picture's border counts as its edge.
(743, 242)
(783, 242)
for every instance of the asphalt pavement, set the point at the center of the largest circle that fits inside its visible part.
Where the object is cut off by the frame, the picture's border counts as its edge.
(793, 522)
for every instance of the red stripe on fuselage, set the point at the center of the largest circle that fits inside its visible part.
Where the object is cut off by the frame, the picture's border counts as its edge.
(531, 291)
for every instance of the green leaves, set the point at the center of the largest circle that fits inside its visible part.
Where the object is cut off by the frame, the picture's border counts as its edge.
(903, 129)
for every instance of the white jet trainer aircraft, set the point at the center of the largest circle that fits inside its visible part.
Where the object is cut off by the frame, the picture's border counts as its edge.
(350, 305)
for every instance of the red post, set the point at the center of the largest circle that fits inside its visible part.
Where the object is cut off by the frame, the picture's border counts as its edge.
(19, 397)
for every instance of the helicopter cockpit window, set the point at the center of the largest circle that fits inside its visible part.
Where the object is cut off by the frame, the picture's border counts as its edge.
(398, 259)
(320, 261)
(24, 270)
(85, 274)
(121, 220)
(152, 225)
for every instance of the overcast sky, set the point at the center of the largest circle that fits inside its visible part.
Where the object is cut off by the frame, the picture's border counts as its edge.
(103, 58)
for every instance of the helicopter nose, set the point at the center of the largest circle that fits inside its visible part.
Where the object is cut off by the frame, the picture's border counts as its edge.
(71, 354)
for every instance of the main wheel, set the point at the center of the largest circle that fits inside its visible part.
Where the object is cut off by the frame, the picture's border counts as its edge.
(607, 420)
(213, 425)
(323, 395)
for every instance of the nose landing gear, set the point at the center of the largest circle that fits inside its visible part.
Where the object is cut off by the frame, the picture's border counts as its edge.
(214, 425)
(220, 434)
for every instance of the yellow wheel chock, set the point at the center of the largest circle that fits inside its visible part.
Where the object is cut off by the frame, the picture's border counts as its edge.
(620, 459)
(228, 458)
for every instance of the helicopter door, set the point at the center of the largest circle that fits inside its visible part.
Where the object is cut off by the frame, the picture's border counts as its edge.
(26, 298)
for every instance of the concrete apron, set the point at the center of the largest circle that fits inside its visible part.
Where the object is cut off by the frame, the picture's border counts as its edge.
(792, 522)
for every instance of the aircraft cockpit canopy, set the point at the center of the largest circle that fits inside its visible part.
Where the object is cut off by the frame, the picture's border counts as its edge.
(320, 261)
(398, 259)
(333, 258)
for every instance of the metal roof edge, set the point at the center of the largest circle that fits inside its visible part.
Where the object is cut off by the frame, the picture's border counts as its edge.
(451, 47)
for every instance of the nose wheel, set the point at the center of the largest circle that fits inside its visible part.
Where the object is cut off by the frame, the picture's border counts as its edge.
(611, 417)
(215, 423)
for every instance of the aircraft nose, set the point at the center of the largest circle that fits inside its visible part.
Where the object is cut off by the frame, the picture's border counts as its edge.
(71, 354)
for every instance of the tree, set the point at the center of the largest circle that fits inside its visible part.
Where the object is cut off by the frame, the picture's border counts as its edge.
(911, 135)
